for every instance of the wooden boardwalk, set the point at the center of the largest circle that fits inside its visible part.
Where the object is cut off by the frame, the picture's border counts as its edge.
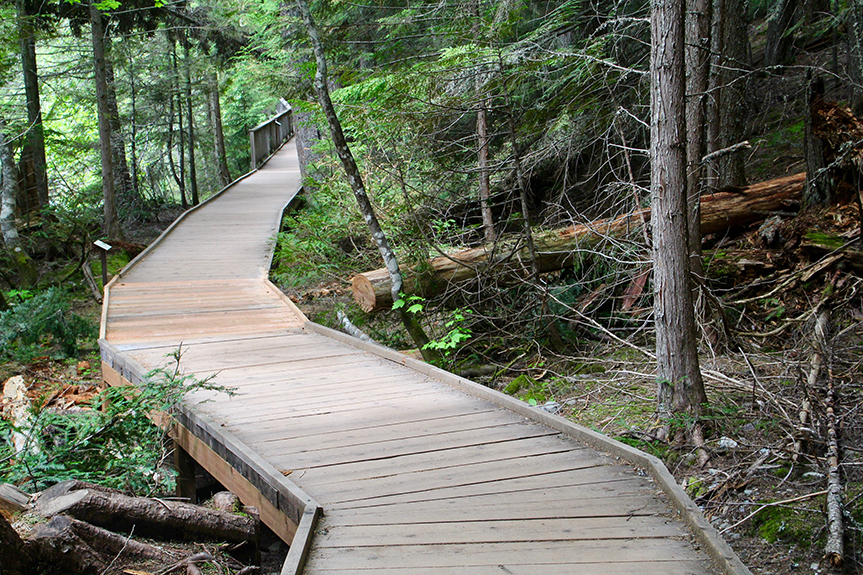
(416, 471)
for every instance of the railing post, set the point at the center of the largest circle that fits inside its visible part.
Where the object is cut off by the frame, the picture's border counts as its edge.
(252, 149)
(270, 134)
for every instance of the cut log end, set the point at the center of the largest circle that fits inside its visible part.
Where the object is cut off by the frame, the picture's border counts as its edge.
(364, 293)
(372, 290)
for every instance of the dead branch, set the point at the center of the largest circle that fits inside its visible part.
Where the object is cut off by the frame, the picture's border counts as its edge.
(833, 549)
(191, 560)
(739, 146)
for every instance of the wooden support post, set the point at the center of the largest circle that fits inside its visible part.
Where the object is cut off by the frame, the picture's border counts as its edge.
(103, 257)
(185, 465)
(252, 150)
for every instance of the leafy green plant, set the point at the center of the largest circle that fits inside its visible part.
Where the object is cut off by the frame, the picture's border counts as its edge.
(458, 333)
(113, 443)
(36, 325)
(415, 304)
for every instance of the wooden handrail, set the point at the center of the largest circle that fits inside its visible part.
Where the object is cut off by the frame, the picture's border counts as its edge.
(269, 135)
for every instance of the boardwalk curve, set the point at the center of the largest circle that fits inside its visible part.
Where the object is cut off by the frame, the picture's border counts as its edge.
(367, 460)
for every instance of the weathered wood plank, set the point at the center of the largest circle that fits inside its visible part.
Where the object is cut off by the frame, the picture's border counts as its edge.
(574, 553)
(522, 530)
(555, 502)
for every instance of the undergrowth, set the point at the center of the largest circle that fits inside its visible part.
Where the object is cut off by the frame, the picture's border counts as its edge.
(114, 442)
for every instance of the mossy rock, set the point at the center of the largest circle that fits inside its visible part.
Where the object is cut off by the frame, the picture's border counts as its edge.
(523, 381)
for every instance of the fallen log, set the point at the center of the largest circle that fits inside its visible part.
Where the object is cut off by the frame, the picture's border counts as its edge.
(56, 544)
(14, 556)
(149, 517)
(557, 249)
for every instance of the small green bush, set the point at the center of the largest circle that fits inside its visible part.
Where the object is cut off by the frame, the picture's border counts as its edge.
(40, 324)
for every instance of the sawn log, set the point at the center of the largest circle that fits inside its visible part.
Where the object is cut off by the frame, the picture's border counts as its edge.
(557, 249)
(150, 517)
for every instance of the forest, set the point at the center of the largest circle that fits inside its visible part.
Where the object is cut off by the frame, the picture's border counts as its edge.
(643, 217)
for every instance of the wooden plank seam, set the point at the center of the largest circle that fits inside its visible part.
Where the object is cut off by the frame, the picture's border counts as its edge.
(706, 534)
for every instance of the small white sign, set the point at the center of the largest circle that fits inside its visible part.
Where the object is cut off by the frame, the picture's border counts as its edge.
(102, 245)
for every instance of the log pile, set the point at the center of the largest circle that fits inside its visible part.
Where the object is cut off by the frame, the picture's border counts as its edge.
(90, 526)
(556, 249)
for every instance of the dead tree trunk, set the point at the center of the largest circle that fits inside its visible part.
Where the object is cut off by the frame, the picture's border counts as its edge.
(352, 172)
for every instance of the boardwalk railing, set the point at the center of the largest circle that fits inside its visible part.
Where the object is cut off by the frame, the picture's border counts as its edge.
(268, 136)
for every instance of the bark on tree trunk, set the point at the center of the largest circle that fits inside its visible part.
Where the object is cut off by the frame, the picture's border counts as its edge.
(555, 249)
(482, 161)
(855, 55)
(219, 135)
(111, 226)
(193, 174)
(133, 121)
(818, 191)
(352, 172)
(778, 41)
(35, 133)
(698, 60)
(122, 178)
(24, 264)
(729, 47)
(680, 387)
(182, 155)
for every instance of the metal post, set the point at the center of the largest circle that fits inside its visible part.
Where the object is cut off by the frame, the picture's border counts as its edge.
(103, 256)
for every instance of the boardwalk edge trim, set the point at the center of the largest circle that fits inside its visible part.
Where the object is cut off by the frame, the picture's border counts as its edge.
(703, 530)
(300, 509)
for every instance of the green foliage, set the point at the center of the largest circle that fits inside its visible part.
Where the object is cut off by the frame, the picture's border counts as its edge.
(39, 324)
(325, 237)
(113, 443)
(415, 304)
(459, 332)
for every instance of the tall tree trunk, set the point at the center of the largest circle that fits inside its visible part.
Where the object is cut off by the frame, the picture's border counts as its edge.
(170, 151)
(726, 123)
(182, 154)
(111, 226)
(680, 387)
(35, 140)
(732, 167)
(352, 172)
(482, 161)
(193, 174)
(697, 77)
(818, 191)
(855, 55)
(122, 178)
(24, 264)
(133, 123)
(218, 132)
(779, 22)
